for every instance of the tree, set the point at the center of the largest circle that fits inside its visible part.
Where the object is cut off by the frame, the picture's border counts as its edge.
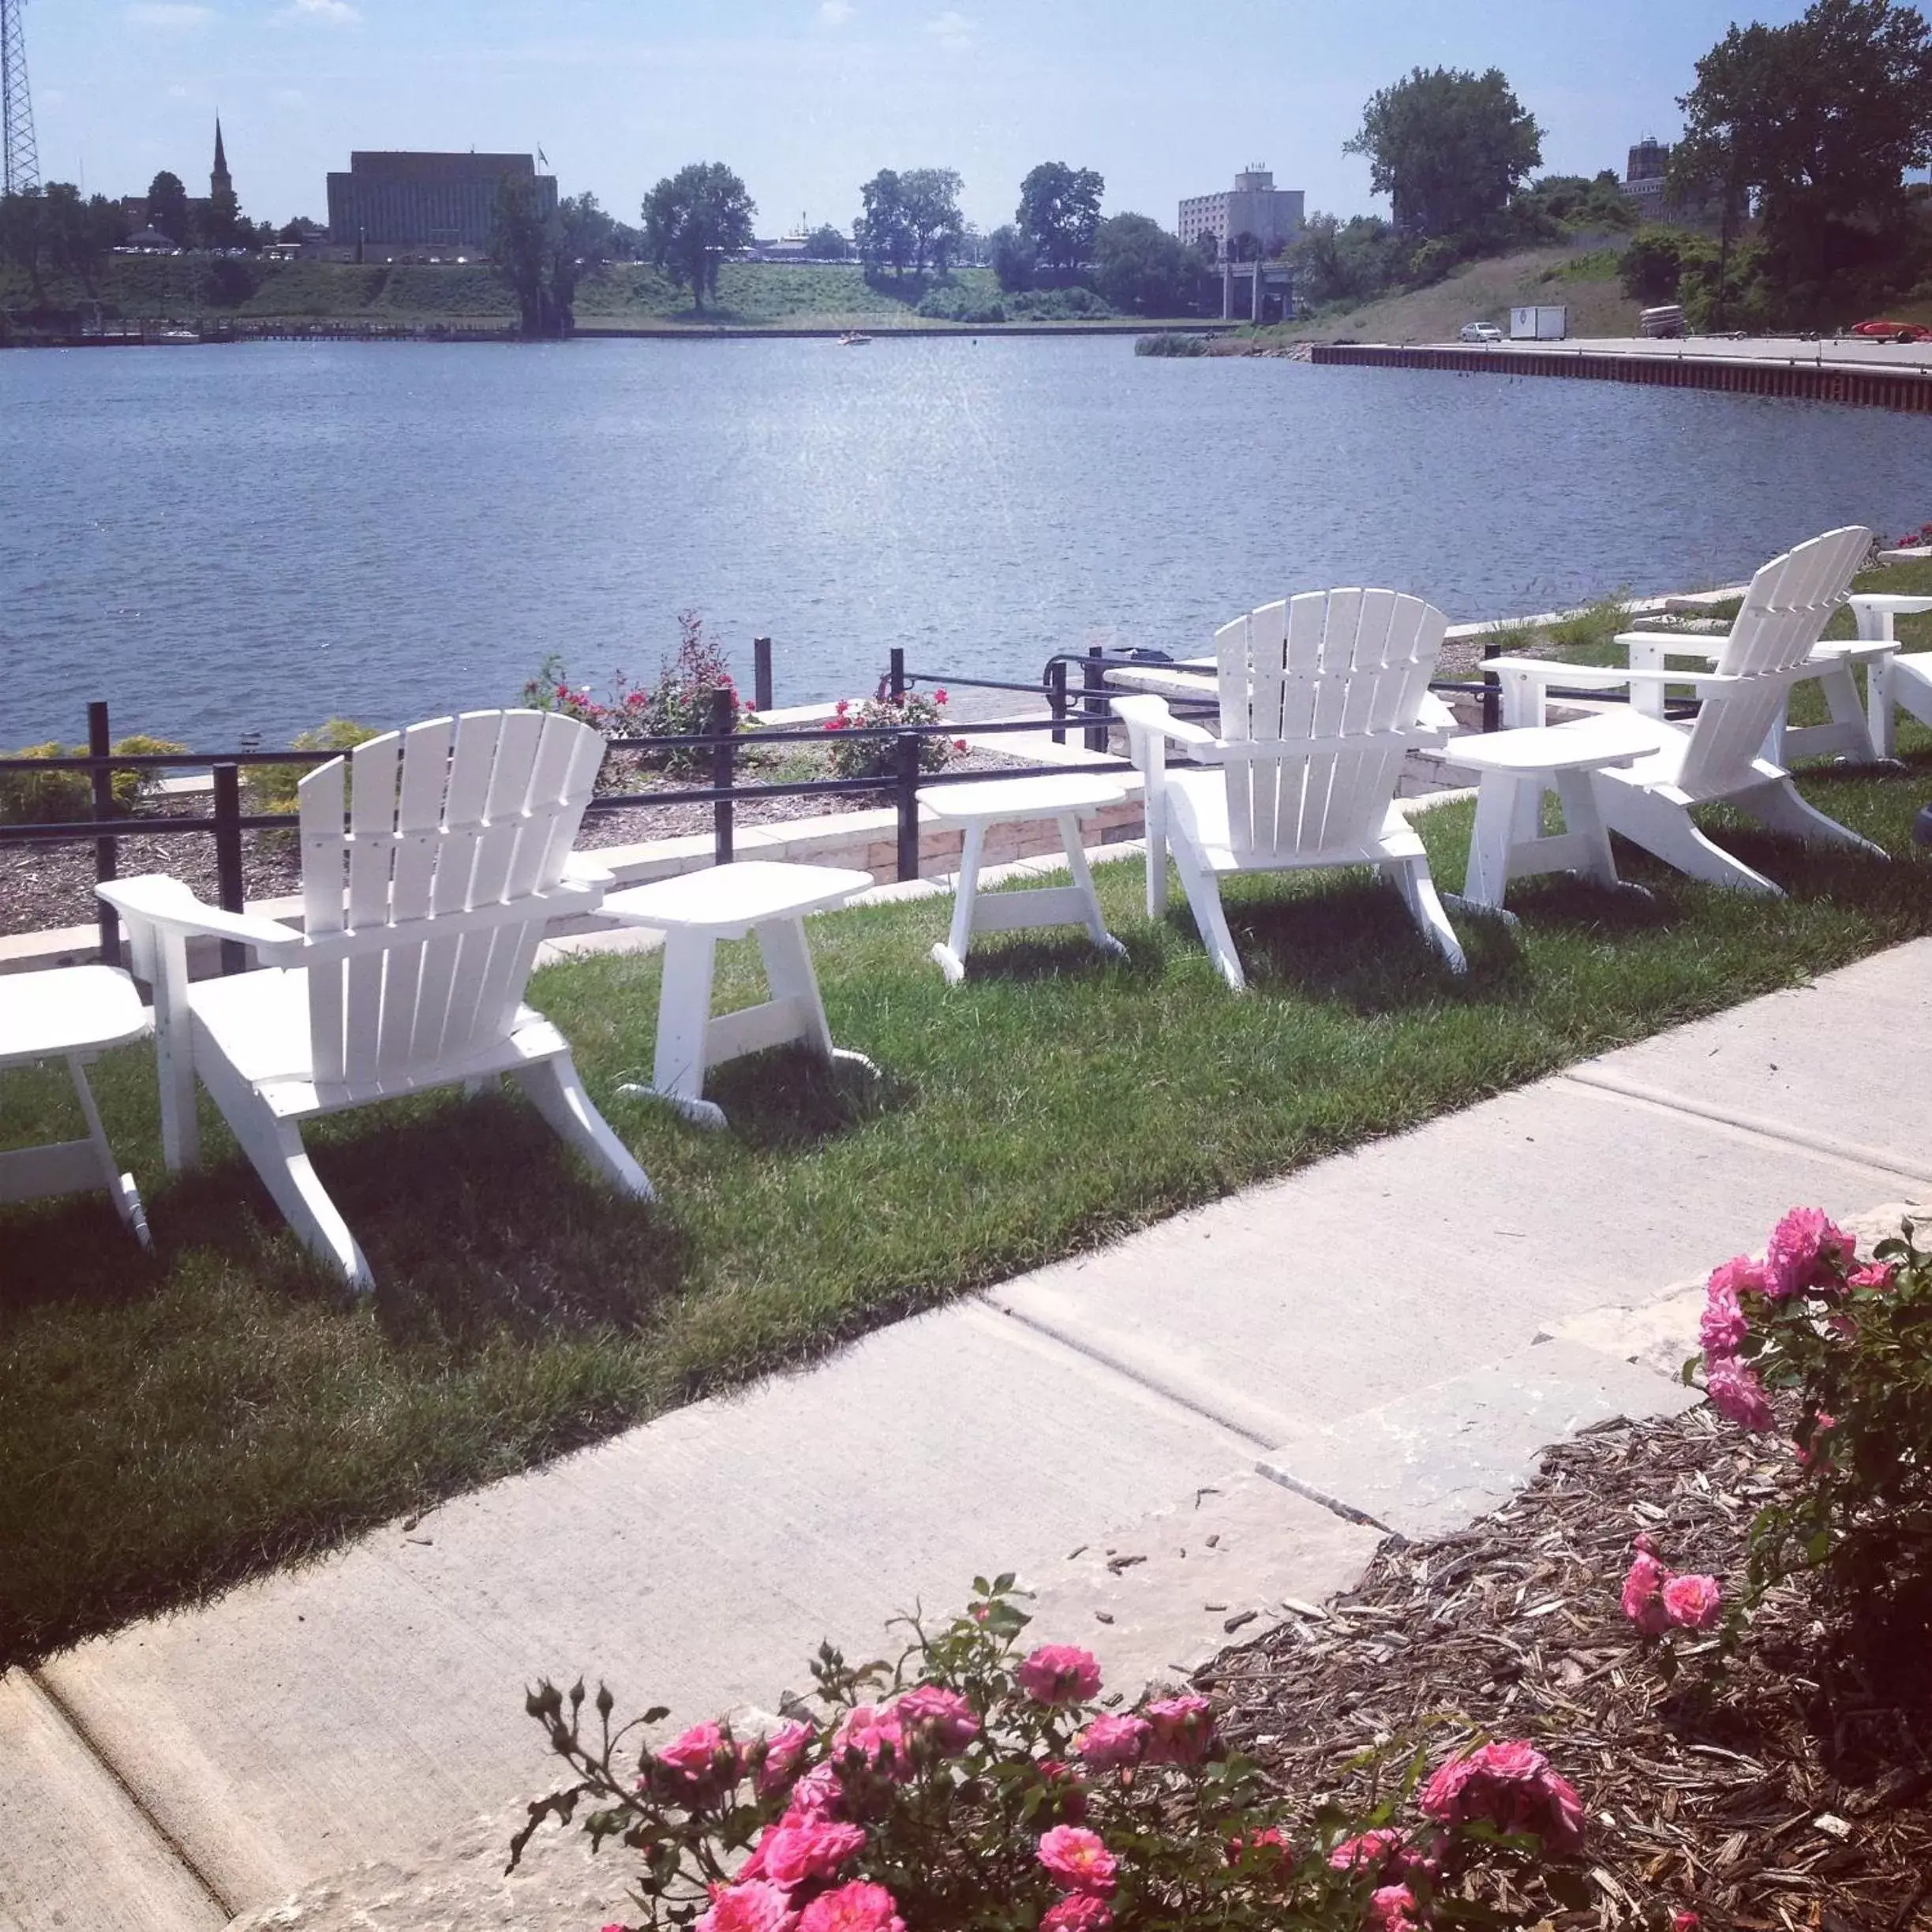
(1059, 212)
(167, 207)
(52, 230)
(1014, 260)
(884, 233)
(930, 199)
(221, 225)
(826, 243)
(1139, 268)
(1817, 121)
(692, 220)
(1448, 147)
(1351, 261)
(543, 256)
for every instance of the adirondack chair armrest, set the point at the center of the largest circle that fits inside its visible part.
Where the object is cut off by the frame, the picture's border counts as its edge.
(1544, 672)
(581, 868)
(156, 899)
(1144, 714)
(1675, 642)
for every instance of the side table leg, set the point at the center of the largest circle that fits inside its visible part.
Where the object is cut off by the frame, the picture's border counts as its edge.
(1583, 820)
(1840, 689)
(951, 957)
(1487, 880)
(1882, 718)
(1082, 883)
(788, 967)
(683, 1020)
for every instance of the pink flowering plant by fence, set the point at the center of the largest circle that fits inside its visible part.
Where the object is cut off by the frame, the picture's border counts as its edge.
(975, 1786)
(875, 757)
(1845, 1346)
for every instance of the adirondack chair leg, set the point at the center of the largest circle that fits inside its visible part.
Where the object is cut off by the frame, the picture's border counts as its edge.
(274, 1149)
(1203, 898)
(1666, 828)
(1781, 808)
(1154, 811)
(162, 959)
(1418, 887)
(553, 1088)
(121, 1189)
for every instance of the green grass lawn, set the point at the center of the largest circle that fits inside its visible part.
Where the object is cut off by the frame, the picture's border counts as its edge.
(168, 1426)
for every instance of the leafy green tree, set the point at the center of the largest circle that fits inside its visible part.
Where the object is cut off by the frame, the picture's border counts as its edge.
(1818, 121)
(930, 199)
(542, 257)
(167, 207)
(221, 224)
(1059, 212)
(826, 243)
(883, 236)
(692, 220)
(52, 230)
(1140, 269)
(1448, 147)
(1014, 260)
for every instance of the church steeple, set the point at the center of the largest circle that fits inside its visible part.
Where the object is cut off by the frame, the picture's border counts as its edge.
(219, 182)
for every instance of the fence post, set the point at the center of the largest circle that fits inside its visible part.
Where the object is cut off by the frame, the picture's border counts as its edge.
(761, 675)
(895, 678)
(1093, 679)
(724, 759)
(1056, 697)
(1492, 692)
(228, 858)
(906, 750)
(105, 851)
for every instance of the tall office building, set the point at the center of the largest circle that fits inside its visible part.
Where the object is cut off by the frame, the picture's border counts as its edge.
(426, 200)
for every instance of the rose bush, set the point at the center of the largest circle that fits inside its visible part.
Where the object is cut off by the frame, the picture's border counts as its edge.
(1849, 1343)
(976, 1787)
(854, 757)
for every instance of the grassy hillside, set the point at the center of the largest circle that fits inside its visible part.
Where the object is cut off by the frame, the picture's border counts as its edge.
(626, 295)
(1485, 291)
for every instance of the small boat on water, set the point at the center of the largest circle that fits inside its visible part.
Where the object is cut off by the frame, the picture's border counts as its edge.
(854, 339)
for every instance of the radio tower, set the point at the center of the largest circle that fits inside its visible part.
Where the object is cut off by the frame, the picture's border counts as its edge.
(20, 159)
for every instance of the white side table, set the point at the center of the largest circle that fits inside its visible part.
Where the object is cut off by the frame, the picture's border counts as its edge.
(1516, 768)
(695, 910)
(74, 1014)
(1017, 800)
(1893, 681)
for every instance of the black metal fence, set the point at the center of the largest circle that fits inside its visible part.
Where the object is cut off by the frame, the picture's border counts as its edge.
(1070, 706)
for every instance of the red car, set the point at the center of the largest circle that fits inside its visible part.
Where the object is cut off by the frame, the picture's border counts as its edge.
(1894, 332)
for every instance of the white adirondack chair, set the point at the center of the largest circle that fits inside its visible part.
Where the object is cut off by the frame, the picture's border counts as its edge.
(421, 924)
(1717, 758)
(1321, 701)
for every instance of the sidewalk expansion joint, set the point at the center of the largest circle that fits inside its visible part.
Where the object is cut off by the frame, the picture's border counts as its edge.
(1287, 1479)
(77, 1728)
(1601, 1080)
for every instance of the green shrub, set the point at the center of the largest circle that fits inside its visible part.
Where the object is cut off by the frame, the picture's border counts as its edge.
(56, 797)
(1171, 342)
(961, 305)
(273, 787)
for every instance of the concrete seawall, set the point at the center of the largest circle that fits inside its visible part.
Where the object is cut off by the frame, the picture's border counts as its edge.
(1891, 385)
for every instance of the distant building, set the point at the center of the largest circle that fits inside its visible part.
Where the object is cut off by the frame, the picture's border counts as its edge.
(1643, 177)
(1255, 206)
(426, 200)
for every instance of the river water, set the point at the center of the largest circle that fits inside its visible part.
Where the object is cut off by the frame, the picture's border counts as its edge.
(255, 538)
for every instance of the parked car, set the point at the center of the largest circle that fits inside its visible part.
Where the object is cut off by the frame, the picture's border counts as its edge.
(1666, 320)
(1893, 331)
(1481, 332)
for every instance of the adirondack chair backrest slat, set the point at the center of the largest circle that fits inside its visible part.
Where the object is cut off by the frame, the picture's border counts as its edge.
(450, 816)
(1328, 665)
(1790, 601)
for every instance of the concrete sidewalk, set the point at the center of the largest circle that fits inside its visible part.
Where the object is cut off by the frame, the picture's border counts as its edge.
(1240, 1399)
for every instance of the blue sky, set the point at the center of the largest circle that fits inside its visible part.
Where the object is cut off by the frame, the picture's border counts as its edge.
(807, 98)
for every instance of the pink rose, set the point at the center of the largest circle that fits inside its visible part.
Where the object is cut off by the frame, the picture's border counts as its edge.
(874, 1731)
(1685, 1922)
(797, 1850)
(1722, 1326)
(856, 1908)
(1821, 1425)
(1643, 1594)
(1693, 1602)
(817, 1794)
(1266, 1850)
(1737, 1394)
(1183, 1728)
(751, 1906)
(1070, 1795)
(1077, 1860)
(1740, 1275)
(939, 696)
(1879, 1274)
(1108, 1743)
(1391, 1908)
(1388, 1854)
(703, 1758)
(1511, 1786)
(1079, 1912)
(1807, 1250)
(943, 1716)
(1060, 1674)
(783, 1752)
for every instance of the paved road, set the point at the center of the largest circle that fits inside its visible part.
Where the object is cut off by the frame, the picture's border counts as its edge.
(1385, 1338)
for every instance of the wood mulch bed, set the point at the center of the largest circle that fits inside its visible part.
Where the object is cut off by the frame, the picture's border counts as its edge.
(1790, 1789)
(51, 884)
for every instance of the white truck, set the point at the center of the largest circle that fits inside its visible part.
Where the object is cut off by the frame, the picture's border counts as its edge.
(1539, 325)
